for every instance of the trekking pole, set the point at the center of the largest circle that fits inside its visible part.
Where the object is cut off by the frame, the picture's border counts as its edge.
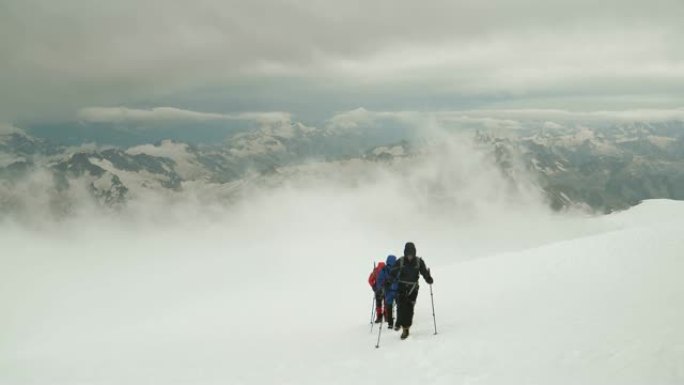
(372, 308)
(372, 304)
(377, 345)
(432, 300)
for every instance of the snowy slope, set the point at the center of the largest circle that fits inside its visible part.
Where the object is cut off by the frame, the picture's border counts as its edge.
(128, 308)
(604, 309)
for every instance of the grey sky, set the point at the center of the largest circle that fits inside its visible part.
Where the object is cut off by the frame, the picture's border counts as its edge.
(227, 56)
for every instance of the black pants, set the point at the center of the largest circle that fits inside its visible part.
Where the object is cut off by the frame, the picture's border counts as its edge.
(405, 303)
(379, 298)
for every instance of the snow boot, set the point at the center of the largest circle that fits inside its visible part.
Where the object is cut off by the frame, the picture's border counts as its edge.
(378, 315)
(397, 327)
(404, 333)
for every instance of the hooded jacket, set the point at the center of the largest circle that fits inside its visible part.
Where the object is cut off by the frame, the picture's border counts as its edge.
(373, 277)
(385, 281)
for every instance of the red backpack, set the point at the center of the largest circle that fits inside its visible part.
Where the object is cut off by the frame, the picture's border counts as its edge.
(372, 278)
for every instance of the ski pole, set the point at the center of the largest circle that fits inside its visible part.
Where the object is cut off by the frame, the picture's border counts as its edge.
(377, 345)
(372, 308)
(372, 303)
(432, 300)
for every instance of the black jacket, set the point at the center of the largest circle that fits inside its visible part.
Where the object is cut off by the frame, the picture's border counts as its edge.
(407, 275)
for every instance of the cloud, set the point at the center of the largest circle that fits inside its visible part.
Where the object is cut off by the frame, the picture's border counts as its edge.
(651, 115)
(170, 114)
(552, 125)
(166, 149)
(361, 117)
(537, 63)
(6, 129)
(499, 118)
(61, 57)
(633, 115)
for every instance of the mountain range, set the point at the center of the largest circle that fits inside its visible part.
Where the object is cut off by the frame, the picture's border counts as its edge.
(601, 166)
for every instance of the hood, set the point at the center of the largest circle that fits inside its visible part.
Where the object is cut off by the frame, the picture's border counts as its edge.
(391, 260)
(410, 249)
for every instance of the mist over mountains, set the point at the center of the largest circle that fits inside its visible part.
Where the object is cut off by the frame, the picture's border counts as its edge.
(600, 165)
(166, 259)
(195, 192)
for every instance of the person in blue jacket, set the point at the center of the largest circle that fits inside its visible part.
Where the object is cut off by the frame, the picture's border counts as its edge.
(385, 284)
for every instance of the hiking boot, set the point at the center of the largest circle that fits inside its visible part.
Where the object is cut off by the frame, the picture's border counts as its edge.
(390, 323)
(378, 317)
(397, 327)
(404, 333)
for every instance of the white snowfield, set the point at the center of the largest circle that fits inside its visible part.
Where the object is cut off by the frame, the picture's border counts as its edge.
(606, 308)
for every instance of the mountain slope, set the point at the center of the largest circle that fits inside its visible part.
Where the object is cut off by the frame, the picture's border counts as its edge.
(602, 309)
(605, 309)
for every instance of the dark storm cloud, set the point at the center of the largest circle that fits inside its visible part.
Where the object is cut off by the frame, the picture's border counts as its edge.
(59, 57)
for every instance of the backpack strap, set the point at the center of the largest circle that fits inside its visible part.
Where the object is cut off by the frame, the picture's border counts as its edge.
(401, 263)
(414, 285)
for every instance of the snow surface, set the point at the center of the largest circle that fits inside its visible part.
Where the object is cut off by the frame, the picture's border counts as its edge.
(602, 305)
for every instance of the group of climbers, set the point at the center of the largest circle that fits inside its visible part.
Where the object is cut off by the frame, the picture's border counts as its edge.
(398, 279)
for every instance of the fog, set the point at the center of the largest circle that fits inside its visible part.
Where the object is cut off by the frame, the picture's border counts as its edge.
(200, 289)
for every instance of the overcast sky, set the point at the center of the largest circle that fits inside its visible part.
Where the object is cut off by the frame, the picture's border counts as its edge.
(315, 58)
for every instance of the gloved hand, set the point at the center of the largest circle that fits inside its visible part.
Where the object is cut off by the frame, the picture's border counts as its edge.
(429, 280)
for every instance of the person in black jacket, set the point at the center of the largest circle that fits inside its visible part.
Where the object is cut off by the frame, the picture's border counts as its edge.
(405, 272)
